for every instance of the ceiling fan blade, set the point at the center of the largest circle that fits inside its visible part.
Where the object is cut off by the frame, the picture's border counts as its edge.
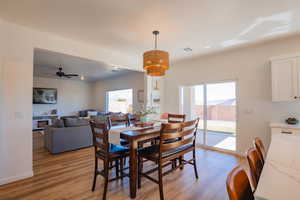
(72, 75)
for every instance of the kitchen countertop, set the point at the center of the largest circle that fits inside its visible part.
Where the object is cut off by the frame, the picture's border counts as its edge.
(284, 125)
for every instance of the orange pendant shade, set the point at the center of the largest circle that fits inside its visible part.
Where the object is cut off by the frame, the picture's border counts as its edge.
(156, 62)
(155, 71)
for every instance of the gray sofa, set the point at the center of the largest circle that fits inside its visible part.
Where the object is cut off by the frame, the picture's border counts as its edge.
(70, 135)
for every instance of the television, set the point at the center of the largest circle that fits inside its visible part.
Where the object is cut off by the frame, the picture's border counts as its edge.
(44, 96)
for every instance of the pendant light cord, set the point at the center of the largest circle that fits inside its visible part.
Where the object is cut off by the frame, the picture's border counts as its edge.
(155, 42)
(155, 33)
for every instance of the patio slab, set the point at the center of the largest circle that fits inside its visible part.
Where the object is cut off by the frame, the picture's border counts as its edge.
(220, 140)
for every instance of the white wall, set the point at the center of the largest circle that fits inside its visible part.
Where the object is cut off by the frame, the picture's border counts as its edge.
(250, 67)
(1, 90)
(72, 96)
(16, 141)
(16, 136)
(134, 80)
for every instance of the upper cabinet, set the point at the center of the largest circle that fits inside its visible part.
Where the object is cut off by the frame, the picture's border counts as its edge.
(285, 78)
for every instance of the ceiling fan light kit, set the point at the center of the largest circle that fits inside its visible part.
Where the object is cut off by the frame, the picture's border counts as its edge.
(61, 74)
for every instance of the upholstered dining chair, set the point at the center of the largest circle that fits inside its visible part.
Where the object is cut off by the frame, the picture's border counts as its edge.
(238, 185)
(255, 165)
(258, 144)
(164, 153)
(108, 153)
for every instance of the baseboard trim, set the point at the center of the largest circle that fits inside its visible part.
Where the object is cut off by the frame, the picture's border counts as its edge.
(16, 178)
(220, 150)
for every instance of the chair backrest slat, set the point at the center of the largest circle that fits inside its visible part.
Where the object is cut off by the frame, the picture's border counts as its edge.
(174, 145)
(238, 185)
(183, 133)
(176, 118)
(190, 123)
(100, 145)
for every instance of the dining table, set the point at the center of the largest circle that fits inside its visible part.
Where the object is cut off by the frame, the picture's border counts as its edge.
(280, 177)
(134, 137)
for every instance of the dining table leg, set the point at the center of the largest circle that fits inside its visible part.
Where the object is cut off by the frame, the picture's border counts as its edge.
(133, 168)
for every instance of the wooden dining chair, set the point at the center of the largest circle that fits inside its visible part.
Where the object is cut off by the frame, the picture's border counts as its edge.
(175, 118)
(133, 118)
(255, 165)
(108, 153)
(258, 144)
(164, 153)
(238, 185)
(118, 120)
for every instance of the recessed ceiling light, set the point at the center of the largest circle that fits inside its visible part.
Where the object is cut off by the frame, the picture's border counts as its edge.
(187, 49)
(207, 47)
(82, 78)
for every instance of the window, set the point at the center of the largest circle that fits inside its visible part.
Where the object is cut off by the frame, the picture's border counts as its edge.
(120, 101)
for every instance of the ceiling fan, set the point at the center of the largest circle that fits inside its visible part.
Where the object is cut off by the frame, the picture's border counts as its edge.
(61, 74)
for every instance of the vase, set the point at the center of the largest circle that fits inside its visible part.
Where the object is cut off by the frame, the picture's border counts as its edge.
(143, 119)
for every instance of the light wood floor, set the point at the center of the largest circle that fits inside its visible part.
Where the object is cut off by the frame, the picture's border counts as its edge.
(69, 176)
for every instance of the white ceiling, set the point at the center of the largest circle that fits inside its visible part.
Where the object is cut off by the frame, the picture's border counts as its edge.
(46, 64)
(126, 25)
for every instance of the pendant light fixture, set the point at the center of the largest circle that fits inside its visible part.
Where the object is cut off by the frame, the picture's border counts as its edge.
(156, 62)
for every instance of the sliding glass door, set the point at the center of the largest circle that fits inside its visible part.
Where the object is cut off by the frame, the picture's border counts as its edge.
(215, 105)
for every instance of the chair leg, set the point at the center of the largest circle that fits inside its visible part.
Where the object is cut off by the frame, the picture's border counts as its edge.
(161, 191)
(125, 161)
(95, 174)
(195, 164)
(106, 174)
(180, 162)
(174, 164)
(121, 168)
(140, 171)
(117, 168)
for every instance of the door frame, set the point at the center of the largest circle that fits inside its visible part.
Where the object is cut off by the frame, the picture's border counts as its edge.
(236, 81)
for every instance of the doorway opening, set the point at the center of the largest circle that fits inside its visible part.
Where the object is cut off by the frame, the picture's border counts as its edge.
(215, 105)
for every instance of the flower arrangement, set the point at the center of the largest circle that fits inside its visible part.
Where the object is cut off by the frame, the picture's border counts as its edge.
(145, 110)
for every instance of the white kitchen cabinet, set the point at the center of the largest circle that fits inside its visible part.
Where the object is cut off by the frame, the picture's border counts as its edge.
(285, 78)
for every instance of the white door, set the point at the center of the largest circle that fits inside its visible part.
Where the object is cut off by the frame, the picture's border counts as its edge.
(284, 80)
